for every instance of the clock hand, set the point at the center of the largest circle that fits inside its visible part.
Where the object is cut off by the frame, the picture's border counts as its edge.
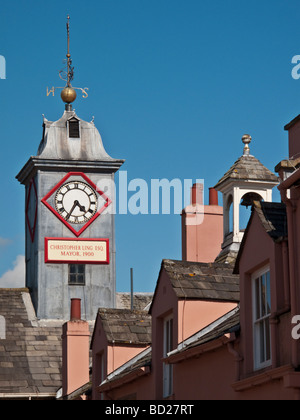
(72, 209)
(81, 208)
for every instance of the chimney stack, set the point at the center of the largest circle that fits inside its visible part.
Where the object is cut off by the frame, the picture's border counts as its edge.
(75, 347)
(202, 227)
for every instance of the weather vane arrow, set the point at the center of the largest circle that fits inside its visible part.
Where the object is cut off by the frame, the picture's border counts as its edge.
(68, 93)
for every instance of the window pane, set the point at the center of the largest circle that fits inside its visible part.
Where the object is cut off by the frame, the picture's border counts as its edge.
(72, 278)
(171, 335)
(80, 279)
(262, 342)
(257, 300)
(268, 293)
(268, 340)
(80, 268)
(263, 295)
(72, 269)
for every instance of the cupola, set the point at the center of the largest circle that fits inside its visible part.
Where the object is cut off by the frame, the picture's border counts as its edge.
(246, 181)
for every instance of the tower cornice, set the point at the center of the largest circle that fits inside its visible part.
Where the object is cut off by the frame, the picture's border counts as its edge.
(35, 164)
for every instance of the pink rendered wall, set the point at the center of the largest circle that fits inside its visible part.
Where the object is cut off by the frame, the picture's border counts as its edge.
(75, 342)
(211, 376)
(202, 235)
(194, 315)
(207, 377)
(140, 389)
(293, 212)
(118, 355)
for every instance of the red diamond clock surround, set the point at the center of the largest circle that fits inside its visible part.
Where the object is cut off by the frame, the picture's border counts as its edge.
(75, 201)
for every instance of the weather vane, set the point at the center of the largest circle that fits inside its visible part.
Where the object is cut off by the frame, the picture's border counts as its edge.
(68, 93)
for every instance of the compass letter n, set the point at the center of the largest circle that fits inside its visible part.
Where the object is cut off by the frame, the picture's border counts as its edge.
(50, 91)
(2, 67)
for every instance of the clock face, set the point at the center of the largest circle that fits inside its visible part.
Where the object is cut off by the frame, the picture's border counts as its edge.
(76, 202)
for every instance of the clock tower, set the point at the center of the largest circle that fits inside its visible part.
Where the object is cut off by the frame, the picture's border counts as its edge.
(69, 216)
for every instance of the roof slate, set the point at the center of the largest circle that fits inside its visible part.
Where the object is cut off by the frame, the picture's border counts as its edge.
(207, 281)
(124, 326)
(30, 357)
(248, 168)
(140, 300)
(273, 217)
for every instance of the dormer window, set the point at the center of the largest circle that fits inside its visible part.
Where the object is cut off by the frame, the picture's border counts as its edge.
(261, 317)
(74, 128)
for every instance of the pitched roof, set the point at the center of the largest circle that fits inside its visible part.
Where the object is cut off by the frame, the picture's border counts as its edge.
(248, 168)
(207, 281)
(30, 356)
(273, 218)
(140, 300)
(124, 326)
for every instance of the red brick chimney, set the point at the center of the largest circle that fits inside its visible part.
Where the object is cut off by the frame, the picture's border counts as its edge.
(202, 227)
(75, 351)
(293, 129)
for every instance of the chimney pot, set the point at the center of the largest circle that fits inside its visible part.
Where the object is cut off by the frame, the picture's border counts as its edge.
(213, 197)
(197, 194)
(75, 309)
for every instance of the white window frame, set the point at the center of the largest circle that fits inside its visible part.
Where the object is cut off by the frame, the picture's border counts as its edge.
(168, 346)
(261, 304)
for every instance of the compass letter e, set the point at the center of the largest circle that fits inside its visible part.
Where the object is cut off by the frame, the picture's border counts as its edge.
(2, 67)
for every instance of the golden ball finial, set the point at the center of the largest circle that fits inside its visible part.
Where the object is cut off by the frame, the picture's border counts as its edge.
(68, 95)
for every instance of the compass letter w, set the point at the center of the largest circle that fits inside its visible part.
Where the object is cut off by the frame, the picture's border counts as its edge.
(2, 67)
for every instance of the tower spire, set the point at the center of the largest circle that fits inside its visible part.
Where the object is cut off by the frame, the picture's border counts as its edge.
(70, 70)
(68, 94)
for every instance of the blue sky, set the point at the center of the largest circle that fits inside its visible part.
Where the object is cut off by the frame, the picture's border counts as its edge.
(173, 86)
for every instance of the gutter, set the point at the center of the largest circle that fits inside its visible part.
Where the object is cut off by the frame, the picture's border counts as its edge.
(28, 396)
(287, 183)
(129, 377)
(177, 357)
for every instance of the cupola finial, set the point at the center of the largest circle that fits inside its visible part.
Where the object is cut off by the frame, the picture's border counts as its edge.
(246, 139)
